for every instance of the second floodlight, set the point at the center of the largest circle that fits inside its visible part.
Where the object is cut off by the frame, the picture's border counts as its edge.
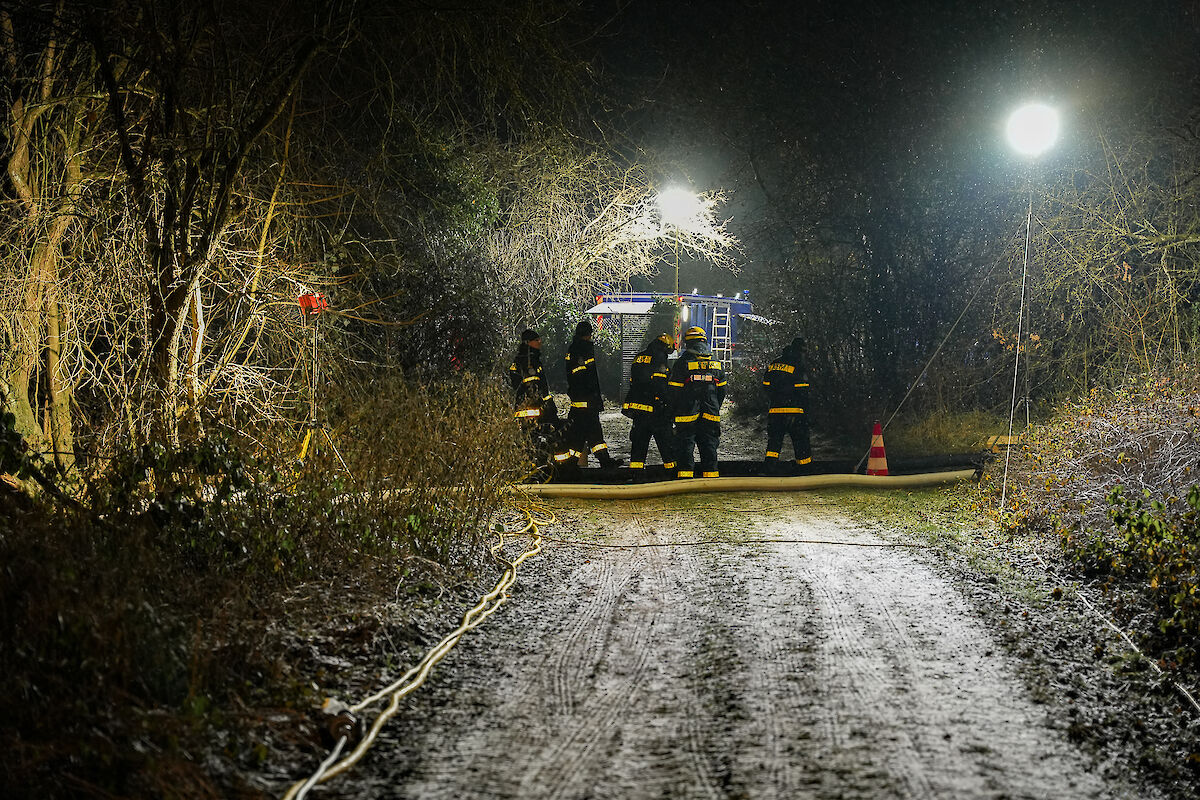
(679, 208)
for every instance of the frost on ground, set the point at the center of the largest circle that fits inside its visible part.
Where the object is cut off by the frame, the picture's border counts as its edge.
(741, 440)
(825, 664)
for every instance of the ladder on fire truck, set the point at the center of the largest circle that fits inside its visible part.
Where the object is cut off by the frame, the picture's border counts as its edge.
(722, 340)
(633, 330)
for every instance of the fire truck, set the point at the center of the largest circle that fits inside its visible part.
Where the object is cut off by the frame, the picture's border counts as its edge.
(633, 313)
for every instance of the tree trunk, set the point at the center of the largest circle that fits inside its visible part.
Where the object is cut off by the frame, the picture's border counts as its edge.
(59, 413)
(14, 387)
(39, 312)
(195, 348)
(21, 355)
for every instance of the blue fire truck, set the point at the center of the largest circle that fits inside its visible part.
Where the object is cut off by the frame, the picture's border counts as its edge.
(721, 318)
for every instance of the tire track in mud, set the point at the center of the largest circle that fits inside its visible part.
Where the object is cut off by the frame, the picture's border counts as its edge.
(600, 738)
(766, 671)
(680, 570)
(867, 659)
(783, 694)
(574, 664)
(914, 701)
(567, 761)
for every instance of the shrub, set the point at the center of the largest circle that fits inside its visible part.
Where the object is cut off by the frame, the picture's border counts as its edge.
(745, 390)
(1104, 479)
(1154, 542)
(153, 596)
(945, 432)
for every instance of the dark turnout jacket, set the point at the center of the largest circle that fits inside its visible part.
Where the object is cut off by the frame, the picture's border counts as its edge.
(528, 382)
(583, 382)
(786, 382)
(647, 397)
(697, 384)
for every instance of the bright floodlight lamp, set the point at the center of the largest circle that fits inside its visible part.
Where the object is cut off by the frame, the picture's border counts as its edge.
(679, 208)
(1033, 129)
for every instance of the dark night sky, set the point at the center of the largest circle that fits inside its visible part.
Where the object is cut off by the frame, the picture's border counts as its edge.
(895, 85)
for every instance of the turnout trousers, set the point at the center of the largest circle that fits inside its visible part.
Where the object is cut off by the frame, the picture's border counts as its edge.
(639, 441)
(703, 434)
(585, 434)
(794, 426)
(546, 445)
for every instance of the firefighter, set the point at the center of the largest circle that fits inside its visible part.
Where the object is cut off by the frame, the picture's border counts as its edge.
(584, 433)
(697, 384)
(646, 404)
(786, 382)
(534, 406)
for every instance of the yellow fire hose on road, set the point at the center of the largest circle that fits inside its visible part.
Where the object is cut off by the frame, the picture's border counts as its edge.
(746, 484)
(415, 677)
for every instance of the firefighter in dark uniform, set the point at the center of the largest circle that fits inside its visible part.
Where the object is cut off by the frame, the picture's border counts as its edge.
(787, 388)
(646, 404)
(584, 433)
(697, 384)
(534, 406)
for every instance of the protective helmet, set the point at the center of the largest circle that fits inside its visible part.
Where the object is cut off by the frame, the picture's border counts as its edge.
(666, 339)
(530, 335)
(695, 333)
(584, 328)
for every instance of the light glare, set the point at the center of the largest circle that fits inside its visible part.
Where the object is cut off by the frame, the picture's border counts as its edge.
(1033, 129)
(679, 208)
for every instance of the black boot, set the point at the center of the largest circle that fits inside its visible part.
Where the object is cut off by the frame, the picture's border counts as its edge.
(608, 462)
(772, 468)
(567, 471)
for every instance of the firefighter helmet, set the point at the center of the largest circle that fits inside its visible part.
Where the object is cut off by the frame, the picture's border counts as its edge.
(695, 333)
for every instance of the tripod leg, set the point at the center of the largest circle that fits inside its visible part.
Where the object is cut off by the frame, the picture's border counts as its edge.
(335, 450)
(304, 445)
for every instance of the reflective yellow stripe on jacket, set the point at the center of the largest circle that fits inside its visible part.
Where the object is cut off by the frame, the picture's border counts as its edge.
(582, 366)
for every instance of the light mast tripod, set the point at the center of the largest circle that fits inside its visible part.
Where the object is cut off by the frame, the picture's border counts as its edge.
(313, 305)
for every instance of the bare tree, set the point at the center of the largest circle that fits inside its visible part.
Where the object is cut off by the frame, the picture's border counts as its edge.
(1120, 264)
(183, 144)
(578, 219)
(50, 127)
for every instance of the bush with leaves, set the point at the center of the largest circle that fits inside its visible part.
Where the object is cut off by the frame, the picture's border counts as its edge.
(1155, 543)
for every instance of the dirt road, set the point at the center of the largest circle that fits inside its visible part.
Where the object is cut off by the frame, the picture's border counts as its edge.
(834, 668)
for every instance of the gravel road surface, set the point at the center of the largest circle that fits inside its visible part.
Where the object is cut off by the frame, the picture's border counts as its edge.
(826, 663)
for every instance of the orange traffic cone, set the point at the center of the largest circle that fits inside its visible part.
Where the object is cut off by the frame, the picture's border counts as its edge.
(877, 461)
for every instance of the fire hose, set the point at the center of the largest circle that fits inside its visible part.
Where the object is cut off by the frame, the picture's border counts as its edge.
(743, 484)
(344, 724)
